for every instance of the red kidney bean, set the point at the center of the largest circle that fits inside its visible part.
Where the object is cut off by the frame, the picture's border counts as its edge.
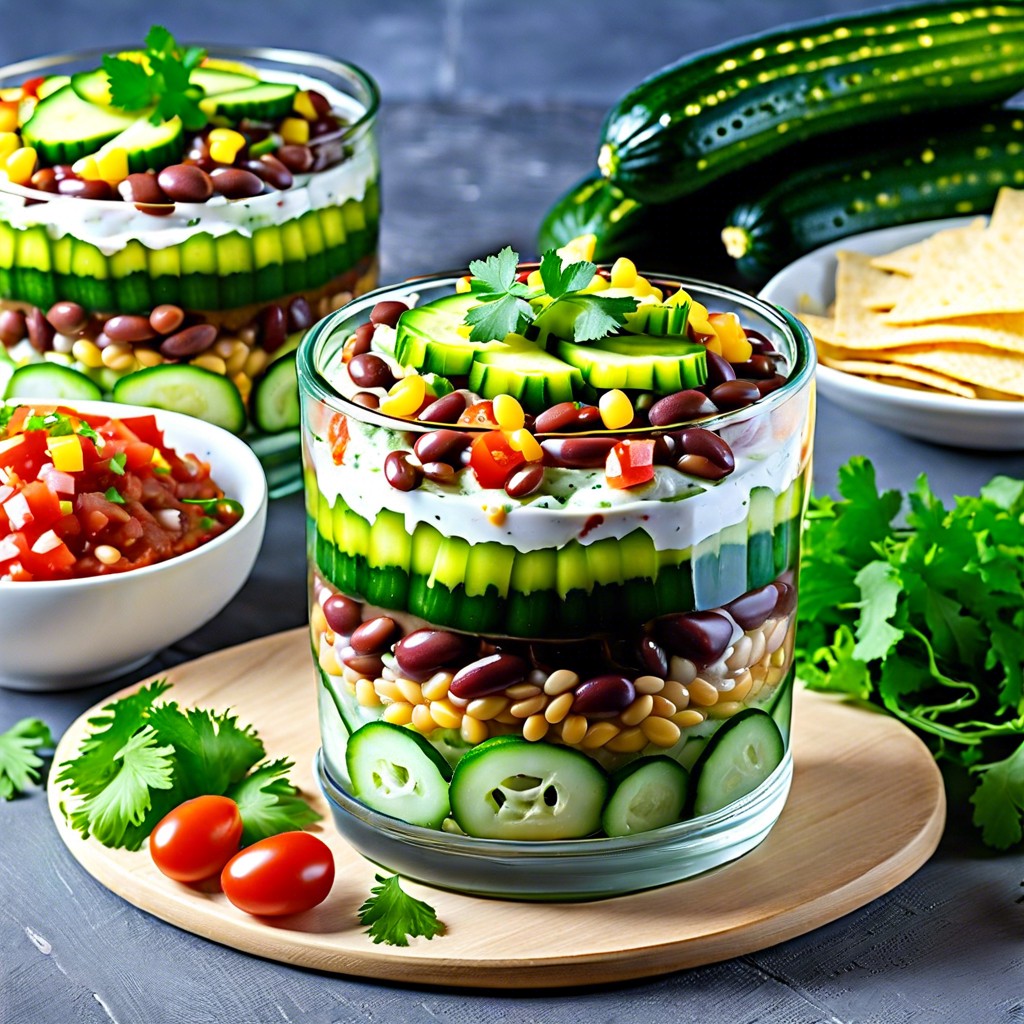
(787, 597)
(423, 651)
(370, 371)
(439, 472)
(373, 636)
(758, 342)
(367, 399)
(677, 408)
(273, 328)
(559, 418)
(365, 664)
(102, 341)
(754, 607)
(342, 613)
(129, 328)
(524, 480)
(297, 158)
(698, 465)
(300, 316)
(78, 189)
(698, 441)
(757, 367)
(401, 473)
(189, 342)
(360, 341)
(321, 105)
(141, 188)
(441, 446)
(446, 409)
(185, 183)
(166, 318)
(387, 313)
(322, 126)
(12, 326)
(588, 416)
(45, 179)
(40, 330)
(63, 171)
(68, 317)
(236, 183)
(653, 655)
(700, 636)
(492, 674)
(735, 394)
(766, 387)
(272, 171)
(719, 371)
(603, 696)
(579, 452)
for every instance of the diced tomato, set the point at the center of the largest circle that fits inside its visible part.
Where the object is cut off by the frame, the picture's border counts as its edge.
(492, 458)
(337, 437)
(145, 429)
(630, 463)
(43, 504)
(30, 87)
(479, 415)
(139, 455)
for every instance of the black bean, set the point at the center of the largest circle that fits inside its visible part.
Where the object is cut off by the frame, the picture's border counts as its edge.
(387, 313)
(766, 387)
(787, 597)
(68, 317)
(653, 655)
(557, 419)
(273, 328)
(297, 158)
(698, 441)
(12, 326)
(719, 371)
(300, 316)
(141, 188)
(698, 465)
(439, 472)
(367, 399)
(272, 171)
(40, 330)
(236, 183)
(185, 183)
(129, 328)
(579, 452)
(78, 189)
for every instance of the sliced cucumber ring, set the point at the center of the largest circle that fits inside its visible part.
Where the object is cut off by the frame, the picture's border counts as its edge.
(188, 389)
(646, 794)
(275, 401)
(51, 380)
(510, 788)
(397, 772)
(744, 751)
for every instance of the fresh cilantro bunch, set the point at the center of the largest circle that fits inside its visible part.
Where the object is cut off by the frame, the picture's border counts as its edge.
(160, 80)
(506, 304)
(927, 621)
(19, 755)
(141, 759)
(392, 915)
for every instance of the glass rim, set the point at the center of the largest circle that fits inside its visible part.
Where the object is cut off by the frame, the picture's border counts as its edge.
(314, 383)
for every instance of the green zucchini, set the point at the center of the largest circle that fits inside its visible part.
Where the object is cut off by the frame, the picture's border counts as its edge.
(734, 105)
(923, 177)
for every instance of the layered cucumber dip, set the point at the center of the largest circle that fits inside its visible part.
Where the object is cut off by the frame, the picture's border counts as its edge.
(171, 222)
(554, 518)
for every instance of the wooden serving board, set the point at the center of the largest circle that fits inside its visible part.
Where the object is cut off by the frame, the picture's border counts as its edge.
(865, 811)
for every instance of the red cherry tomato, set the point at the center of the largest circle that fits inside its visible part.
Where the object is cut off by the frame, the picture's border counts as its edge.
(197, 838)
(285, 874)
(480, 415)
(630, 463)
(492, 458)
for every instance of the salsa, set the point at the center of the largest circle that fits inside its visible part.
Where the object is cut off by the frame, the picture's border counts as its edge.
(83, 495)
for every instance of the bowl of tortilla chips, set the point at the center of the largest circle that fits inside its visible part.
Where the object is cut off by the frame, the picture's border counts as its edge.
(920, 328)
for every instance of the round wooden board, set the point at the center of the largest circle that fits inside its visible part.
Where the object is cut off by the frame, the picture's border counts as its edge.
(866, 810)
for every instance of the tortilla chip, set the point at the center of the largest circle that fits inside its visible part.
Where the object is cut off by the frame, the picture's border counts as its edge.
(886, 293)
(901, 375)
(973, 365)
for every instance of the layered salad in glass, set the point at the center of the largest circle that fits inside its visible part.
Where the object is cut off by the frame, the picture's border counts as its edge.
(554, 517)
(171, 221)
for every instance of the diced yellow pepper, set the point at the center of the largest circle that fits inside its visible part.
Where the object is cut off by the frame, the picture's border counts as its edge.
(225, 144)
(66, 452)
(9, 142)
(21, 165)
(159, 462)
(303, 106)
(623, 273)
(295, 131)
(735, 347)
(66, 507)
(112, 165)
(698, 318)
(579, 248)
(8, 117)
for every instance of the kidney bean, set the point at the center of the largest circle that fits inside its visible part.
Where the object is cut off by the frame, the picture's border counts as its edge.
(12, 326)
(40, 330)
(342, 613)
(367, 399)
(423, 651)
(68, 317)
(236, 183)
(185, 183)
(78, 189)
(322, 126)
(441, 446)
(401, 473)
(387, 313)
(766, 387)
(370, 371)
(189, 342)
(129, 328)
(319, 102)
(603, 696)
(359, 341)
(758, 342)
(141, 188)
(373, 636)
(272, 171)
(757, 367)
(45, 179)
(735, 394)
(439, 472)
(677, 408)
(300, 316)
(273, 328)
(700, 636)
(787, 597)
(524, 480)
(446, 409)
(698, 441)
(166, 318)
(588, 416)
(297, 158)
(102, 341)
(653, 655)
(579, 452)
(365, 664)
(698, 465)
(558, 418)
(751, 609)
(488, 675)
(719, 371)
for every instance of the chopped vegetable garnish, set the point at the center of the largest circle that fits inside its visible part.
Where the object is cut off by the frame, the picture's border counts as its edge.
(19, 758)
(392, 915)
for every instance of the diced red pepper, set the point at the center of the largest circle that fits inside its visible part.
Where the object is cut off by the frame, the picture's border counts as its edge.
(479, 415)
(492, 458)
(630, 463)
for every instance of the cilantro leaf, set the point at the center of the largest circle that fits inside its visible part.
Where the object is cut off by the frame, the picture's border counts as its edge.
(880, 589)
(498, 273)
(131, 85)
(112, 494)
(19, 762)
(116, 463)
(269, 803)
(599, 315)
(492, 321)
(999, 800)
(559, 279)
(392, 915)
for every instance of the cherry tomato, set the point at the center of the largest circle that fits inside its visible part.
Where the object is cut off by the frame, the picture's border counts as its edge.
(285, 874)
(479, 414)
(197, 838)
(492, 458)
(630, 463)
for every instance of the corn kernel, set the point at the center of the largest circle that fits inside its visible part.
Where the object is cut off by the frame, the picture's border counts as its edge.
(462, 286)
(148, 356)
(225, 144)
(118, 357)
(523, 441)
(66, 452)
(112, 165)
(8, 117)
(398, 713)
(422, 720)
(508, 413)
(735, 347)
(9, 142)
(623, 273)
(405, 397)
(211, 362)
(21, 165)
(616, 409)
(87, 353)
(244, 384)
(445, 715)
(66, 507)
(303, 106)
(87, 168)
(295, 131)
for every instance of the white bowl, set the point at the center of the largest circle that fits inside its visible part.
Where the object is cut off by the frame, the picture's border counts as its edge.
(60, 634)
(808, 286)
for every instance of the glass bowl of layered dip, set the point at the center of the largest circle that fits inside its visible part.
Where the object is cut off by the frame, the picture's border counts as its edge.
(172, 220)
(553, 537)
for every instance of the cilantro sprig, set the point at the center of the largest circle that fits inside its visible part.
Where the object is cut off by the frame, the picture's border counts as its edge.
(160, 79)
(925, 620)
(392, 916)
(19, 755)
(144, 755)
(510, 306)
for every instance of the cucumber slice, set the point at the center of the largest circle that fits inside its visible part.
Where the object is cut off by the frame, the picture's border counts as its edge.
(510, 788)
(433, 338)
(92, 86)
(781, 705)
(744, 751)
(397, 772)
(50, 85)
(265, 101)
(51, 380)
(214, 81)
(528, 373)
(188, 389)
(149, 145)
(64, 127)
(275, 402)
(638, 362)
(659, 319)
(646, 794)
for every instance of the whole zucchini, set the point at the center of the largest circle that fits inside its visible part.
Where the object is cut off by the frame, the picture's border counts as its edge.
(923, 177)
(734, 105)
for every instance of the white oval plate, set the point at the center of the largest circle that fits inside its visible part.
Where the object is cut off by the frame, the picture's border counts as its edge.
(808, 286)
